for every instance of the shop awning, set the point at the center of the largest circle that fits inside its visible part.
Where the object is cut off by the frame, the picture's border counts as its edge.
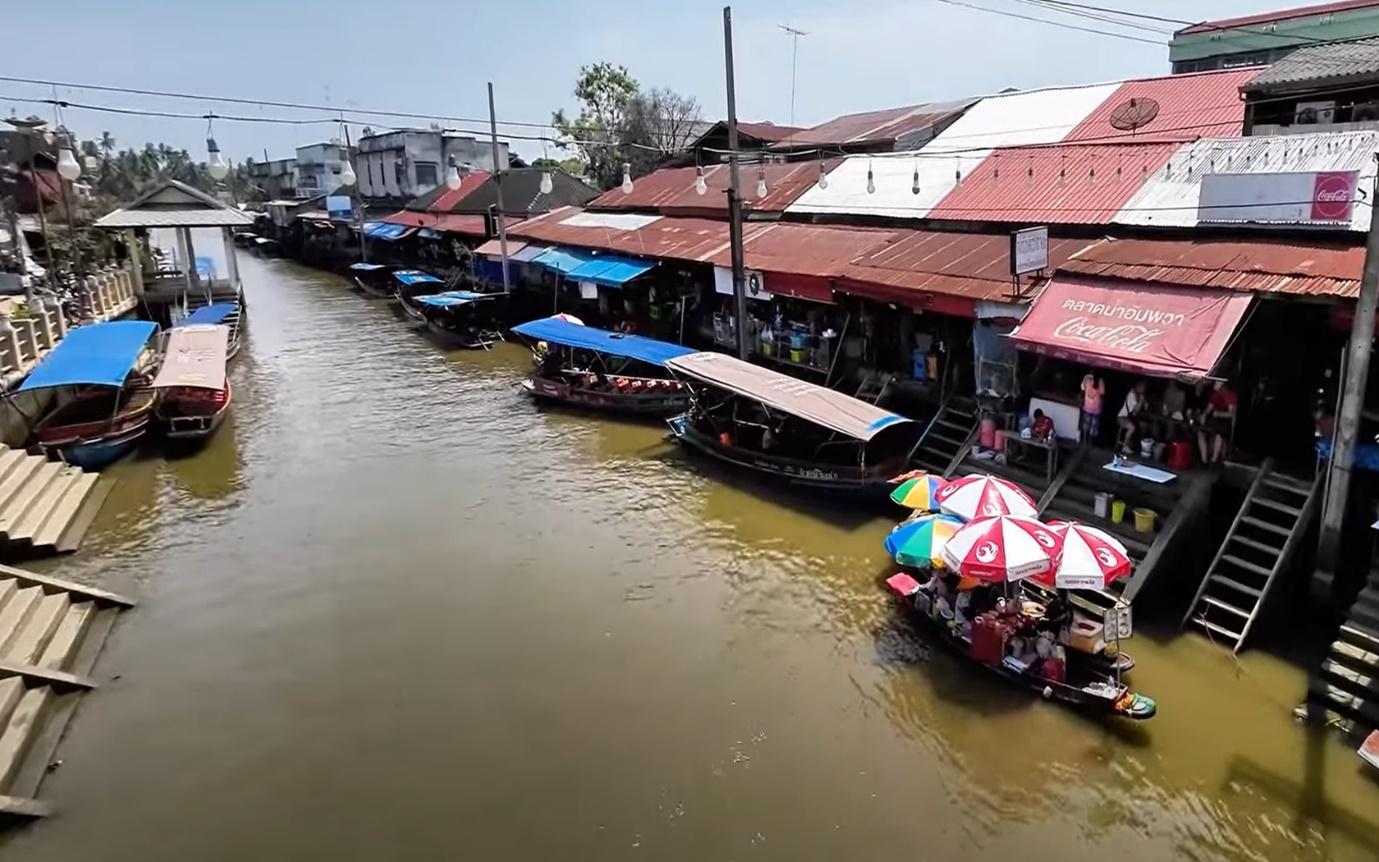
(494, 248)
(1138, 326)
(194, 356)
(386, 231)
(813, 403)
(610, 270)
(558, 331)
(563, 260)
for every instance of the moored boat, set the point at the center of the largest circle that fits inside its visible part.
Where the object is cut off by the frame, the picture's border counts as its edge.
(374, 279)
(586, 367)
(461, 319)
(228, 314)
(789, 429)
(108, 405)
(195, 391)
(413, 283)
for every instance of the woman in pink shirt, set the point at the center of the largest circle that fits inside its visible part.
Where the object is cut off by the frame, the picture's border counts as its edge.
(1092, 390)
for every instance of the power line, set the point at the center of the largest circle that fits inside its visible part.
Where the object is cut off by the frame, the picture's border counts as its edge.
(1218, 28)
(1094, 16)
(1008, 14)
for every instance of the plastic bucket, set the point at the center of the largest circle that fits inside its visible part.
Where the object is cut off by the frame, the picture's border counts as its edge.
(1144, 520)
(1117, 511)
(1101, 504)
(796, 354)
(1147, 447)
(768, 349)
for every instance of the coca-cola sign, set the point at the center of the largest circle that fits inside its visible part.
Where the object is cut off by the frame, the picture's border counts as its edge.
(1295, 197)
(1333, 196)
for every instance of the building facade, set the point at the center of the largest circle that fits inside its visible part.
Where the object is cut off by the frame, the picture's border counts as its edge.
(402, 165)
(318, 168)
(277, 179)
(1259, 40)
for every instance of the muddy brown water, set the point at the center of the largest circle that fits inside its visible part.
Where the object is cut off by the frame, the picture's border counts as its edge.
(394, 611)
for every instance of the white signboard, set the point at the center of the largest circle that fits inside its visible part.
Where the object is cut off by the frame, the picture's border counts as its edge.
(339, 206)
(588, 290)
(755, 283)
(1117, 622)
(1029, 250)
(1297, 196)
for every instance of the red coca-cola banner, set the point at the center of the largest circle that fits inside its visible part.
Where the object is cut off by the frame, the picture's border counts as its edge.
(1133, 326)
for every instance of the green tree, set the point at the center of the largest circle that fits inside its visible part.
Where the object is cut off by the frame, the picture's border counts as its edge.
(604, 91)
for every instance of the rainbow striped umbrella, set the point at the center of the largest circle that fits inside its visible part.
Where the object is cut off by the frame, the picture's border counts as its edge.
(919, 542)
(918, 492)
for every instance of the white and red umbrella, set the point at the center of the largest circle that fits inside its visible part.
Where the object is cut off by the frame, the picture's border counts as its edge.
(1000, 549)
(568, 318)
(1089, 559)
(978, 496)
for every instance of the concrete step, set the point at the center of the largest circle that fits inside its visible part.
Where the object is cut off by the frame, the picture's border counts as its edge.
(62, 647)
(11, 690)
(28, 644)
(86, 515)
(16, 612)
(44, 505)
(19, 731)
(10, 459)
(62, 515)
(8, 587)
(18, 477)
(18, 506)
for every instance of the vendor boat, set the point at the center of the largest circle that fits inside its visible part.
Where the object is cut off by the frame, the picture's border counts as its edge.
(581, 366)
(461, 319)
(108, 406)
(1085, 684)
(227, 314)
(410, 284)
(788, 429)
(373, 279)
(196, 394)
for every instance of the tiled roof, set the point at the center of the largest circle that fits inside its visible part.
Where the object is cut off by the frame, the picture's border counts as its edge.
(1341, 62)
(174, 204)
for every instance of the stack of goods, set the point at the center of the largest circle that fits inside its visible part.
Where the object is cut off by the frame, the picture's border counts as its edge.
(989, 633)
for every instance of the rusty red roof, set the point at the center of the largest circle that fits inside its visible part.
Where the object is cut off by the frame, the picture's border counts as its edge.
(1282, 15)
(1185, 107)
(881, 126)
(768, 132)
(468, 225)
(1060, 184)
(1298, 267)
(671, 190)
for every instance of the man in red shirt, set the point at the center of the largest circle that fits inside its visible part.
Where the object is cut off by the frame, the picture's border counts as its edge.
(1218, 420)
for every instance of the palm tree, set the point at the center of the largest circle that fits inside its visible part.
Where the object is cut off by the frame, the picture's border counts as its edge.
(107, 144)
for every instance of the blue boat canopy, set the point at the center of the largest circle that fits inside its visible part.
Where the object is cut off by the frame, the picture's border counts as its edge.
(558, 331)
(101, 354)
(216, 312)
(452, 298)
(610, 270)
(564, 260)
(205, 266)
(386, 230)
(367, 267)
(415, 276)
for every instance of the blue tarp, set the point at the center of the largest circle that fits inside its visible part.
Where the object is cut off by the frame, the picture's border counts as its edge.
(214, 313)
(452, 298)
(609, 270)
(1366, 454)
(415, 276)
(385, 230)
(562, 259)
(100, 354)
(367, 267)
(205, 267)
(559, 331)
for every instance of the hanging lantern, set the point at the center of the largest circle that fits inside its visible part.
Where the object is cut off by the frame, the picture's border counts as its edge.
(823, 176)
(547, 184)
(871, 180)
(701, 186)
(627, 178)
(914, 183)
(67, 165)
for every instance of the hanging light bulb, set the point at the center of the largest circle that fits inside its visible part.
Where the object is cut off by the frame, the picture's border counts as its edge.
(823, 176)
(995, 175)
(1144, 173)
(547, 184)
(871, 180)
(761, 182)
(67, 165)
(701, 185)
(1091, 178)
(1168, 170)
(1119, 174)
(1029, 173)
(347, 175)
(957, 178)
(452, 175)
(1062, 176)
(627, 178)
(914, 183)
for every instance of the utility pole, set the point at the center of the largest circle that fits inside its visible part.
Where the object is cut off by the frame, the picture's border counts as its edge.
(498, 186)
(794, 35)
(1352, 403)
(744, 340)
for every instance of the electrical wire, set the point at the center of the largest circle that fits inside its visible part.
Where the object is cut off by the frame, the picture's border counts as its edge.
(1206, 25)
(1093, 16)
(1066, 26)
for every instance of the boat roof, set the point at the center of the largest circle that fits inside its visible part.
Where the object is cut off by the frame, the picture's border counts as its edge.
(99, 354)
(811, 402)
(216, 312)
(558, 331)
(416, 276)
(452, 298)
(363, 266)
(195, 356)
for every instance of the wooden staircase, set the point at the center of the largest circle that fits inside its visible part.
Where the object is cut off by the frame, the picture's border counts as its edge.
(874, 387)
(51, 632)
(1259, 546)
(45, 506)
(1347, 683)
(946, 441)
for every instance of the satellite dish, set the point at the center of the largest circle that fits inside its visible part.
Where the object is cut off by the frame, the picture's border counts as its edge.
(1134, 114)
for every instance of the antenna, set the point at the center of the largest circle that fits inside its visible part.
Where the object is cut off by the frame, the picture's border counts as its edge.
(794, 35)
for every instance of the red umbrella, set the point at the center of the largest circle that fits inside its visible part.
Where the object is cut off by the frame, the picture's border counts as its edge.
(979, 496)
(1088, 559)
(1000, 549)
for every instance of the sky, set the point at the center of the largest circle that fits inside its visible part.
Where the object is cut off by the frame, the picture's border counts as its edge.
(435, 58)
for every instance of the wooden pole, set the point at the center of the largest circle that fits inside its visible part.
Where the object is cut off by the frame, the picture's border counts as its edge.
(498, 190)
(744, 340)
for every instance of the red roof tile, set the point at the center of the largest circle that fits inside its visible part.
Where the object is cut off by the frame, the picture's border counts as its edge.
(442, 199)
(1283, 15)
(1313, 268)
(1024, 184)
(1200, 105)
(671, 190)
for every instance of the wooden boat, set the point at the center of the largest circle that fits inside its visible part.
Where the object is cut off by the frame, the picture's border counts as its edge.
(461, 319)
(374, 279)
(581, 366)
(411, 284)
(783, 428)
(227, 314)
(1086, 686)
(108, 406)
(196, 394)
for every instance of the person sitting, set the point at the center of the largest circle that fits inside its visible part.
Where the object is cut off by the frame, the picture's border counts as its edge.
(1129, 412)
(1174, 401)
(1041, 428)
(1217, 420)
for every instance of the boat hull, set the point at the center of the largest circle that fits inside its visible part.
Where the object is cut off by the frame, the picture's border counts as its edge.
(412, 316)
(92, 444)
(650, 405)
(184, 423)
(453, 339)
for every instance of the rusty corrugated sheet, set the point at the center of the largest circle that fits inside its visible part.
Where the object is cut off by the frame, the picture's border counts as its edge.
(468, 225)
(1186, 107)
(671, 190)
(1261, 266)
(889, 124)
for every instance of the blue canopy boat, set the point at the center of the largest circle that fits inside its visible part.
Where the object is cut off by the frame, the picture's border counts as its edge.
(228, 314)
(461, 319)
(591, 371)
(409, 284)
(106, 367)
(375, 279)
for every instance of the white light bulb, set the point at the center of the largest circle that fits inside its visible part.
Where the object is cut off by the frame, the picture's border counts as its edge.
(452, 176)
(914, 184)
(823, 177)
(347, 175)
(626, 178)
(67, 165)
(761, 187)
(1091, 178)
(547, 184)
(957, 178)
(701, 186)
(871, 181)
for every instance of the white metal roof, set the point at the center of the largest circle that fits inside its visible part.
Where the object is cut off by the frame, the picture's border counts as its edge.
(175, 204)
(1171, 196)
(1009, 119)
(615, 221)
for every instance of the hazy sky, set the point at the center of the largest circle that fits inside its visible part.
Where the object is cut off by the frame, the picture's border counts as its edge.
(417, 55)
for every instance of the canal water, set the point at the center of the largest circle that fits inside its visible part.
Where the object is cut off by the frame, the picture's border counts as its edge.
(394, 611)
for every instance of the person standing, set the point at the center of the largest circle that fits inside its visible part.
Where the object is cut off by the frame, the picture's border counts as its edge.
(1129, 412)
(1093, 388)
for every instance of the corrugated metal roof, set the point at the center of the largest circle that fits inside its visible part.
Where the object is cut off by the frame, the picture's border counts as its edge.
(671, 190)
(674, 238)
(767, 131)
(1062, 184)
(467, 225)
(1171, 196)
(1282, 15)
(1012, 119)
(442, 198)
(889, 124)
(802, 249)
(1265, 266)
(1201, 105)
(170, 203)
(1342, 62)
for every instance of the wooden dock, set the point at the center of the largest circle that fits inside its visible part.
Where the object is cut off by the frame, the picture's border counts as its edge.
(45, 506)
(51, 632)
